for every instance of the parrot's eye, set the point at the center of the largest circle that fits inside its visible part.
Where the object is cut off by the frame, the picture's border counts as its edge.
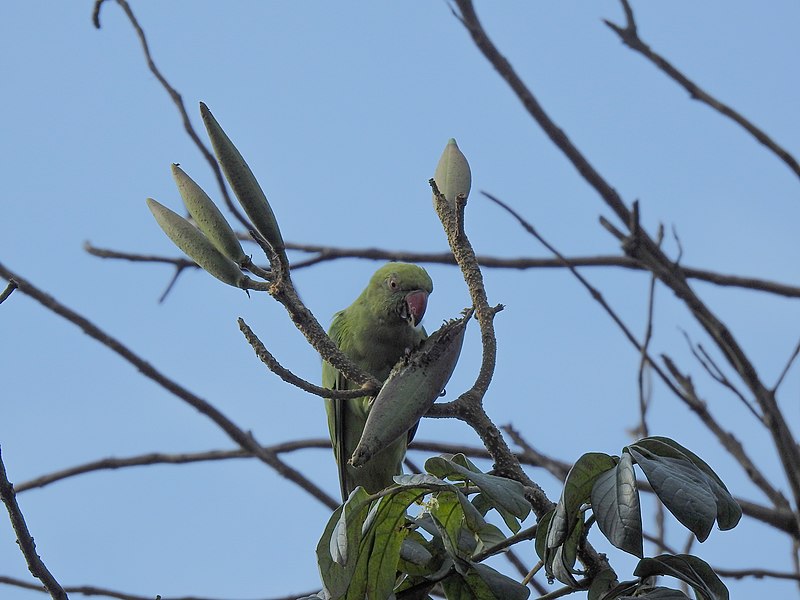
(392, 283)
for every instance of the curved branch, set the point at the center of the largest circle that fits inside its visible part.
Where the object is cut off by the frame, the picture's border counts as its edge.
(243, 439)
(329, 253)
(93, 590)
(272, 363)
(640, 246)
(177, 99)
(630, 37)
(25, 541)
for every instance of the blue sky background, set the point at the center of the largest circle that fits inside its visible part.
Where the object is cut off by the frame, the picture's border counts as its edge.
(342, 110)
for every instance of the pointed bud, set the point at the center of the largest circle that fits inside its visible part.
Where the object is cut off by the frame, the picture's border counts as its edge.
(196, 246)
(208, 217)
(411, 389)
(452, 176)
(244, 183)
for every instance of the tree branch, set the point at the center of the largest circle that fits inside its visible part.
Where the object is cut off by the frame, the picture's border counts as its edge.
(630, 37)
(329, 253)
(177, 99)
(93, 590)
(24, 539)
(243, 439)
(642, 248)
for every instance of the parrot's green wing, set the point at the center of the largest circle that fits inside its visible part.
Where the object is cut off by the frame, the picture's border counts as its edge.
(333, 379)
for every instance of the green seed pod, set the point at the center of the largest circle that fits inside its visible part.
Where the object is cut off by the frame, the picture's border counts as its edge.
(452, 175)
(208, 217)
(411, 389)
(244, 183)
(196, 246)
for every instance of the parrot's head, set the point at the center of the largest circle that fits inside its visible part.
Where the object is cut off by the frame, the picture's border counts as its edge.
(401, 290)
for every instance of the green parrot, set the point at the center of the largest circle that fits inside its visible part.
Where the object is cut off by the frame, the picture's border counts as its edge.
(375, 332)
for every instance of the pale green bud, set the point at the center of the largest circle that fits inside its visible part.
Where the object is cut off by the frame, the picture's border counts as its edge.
(196, 246)
(452, 175)
(244, 183)
(208, 217)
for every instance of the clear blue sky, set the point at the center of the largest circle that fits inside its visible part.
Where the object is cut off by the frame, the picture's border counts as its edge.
(342, 110)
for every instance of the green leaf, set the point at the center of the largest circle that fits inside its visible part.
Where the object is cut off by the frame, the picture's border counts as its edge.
(577, 490)
(449, 515)
(615, 504)
(658, 593)
(422, 480)
(415, 558)
(505, 493)
(682, 487)
(728, 510)
(484, 505)
(456, 588)
(389, 531)
(694, 571)
(501, 586)
(564, 556)
(541, 535)
(622, 588)
(481, 582)
(337, 550)
(601, 583)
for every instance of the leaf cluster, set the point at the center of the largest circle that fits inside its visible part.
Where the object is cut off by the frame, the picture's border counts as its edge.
(371, 548)
(607, 486)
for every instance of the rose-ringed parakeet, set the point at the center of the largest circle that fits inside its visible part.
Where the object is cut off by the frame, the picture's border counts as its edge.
(375, 332)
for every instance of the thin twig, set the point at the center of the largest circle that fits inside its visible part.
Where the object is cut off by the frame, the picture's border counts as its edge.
(683, 389)
(645, 392)
(242, 438)
(24, 539)
(328, 253)
(469, 405)
(644, 249)
(282, 289)
(93, 590)
(630, 37)
(711, 367)
(12, 285)
(786, 368)
(177, 99)
(272, 363)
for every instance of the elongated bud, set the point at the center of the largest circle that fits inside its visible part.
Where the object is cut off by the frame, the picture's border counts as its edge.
(411, 389)
(208, 217)
(244, 183)
(196, 246)
(452, 175)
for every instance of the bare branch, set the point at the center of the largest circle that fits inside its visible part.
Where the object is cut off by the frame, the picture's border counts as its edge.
(328, 253)
(177, 99)
(716, 373)
(12, 285)
(684, 389)
(644, 249)
(272, 363)
(243, 439)
(24, 539)
(630, 37)
(785, 370)
(93, 590)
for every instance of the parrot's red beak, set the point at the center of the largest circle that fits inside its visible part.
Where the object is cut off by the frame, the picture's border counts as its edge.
(415, 304)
